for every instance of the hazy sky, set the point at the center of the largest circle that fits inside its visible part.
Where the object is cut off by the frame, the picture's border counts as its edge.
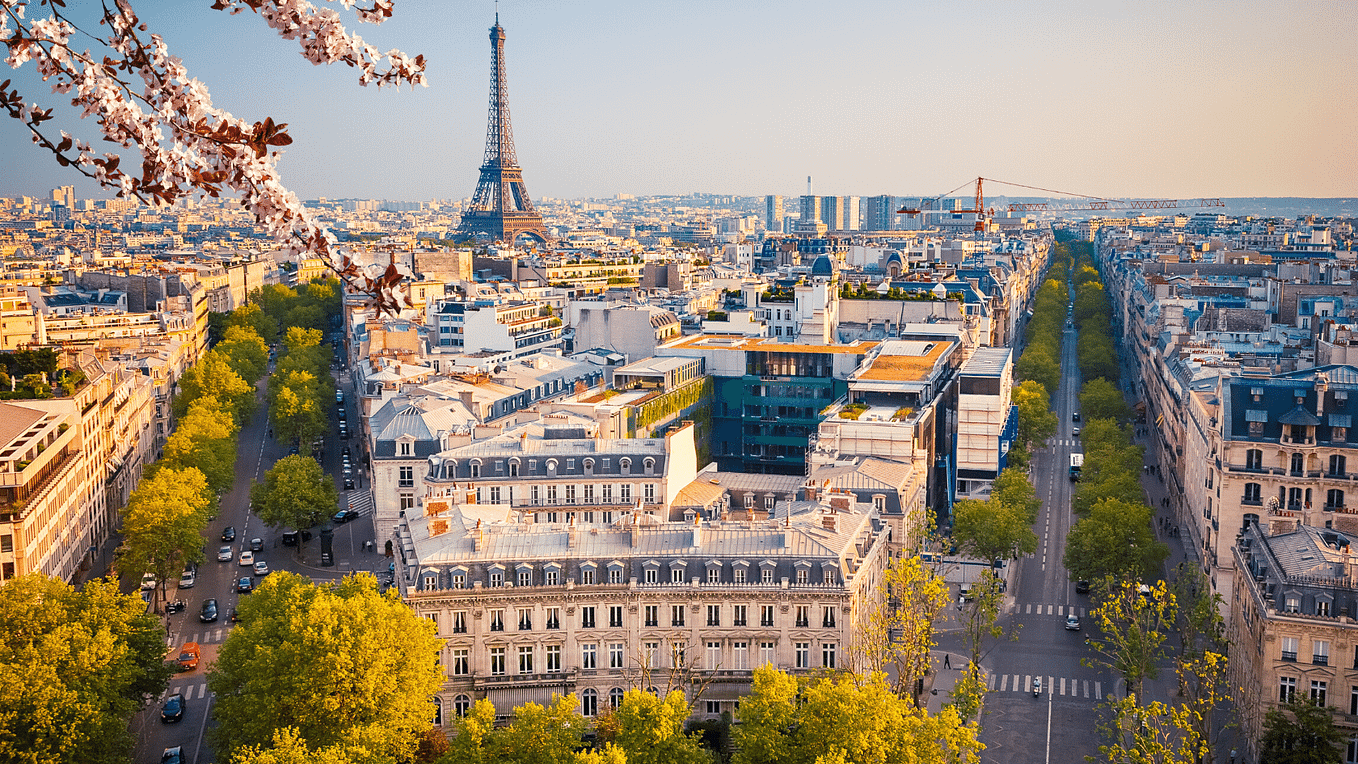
(1161, 99)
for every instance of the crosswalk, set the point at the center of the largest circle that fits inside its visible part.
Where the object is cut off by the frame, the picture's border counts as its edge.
(1058, 442)
(206, 637)
(196, 690)
(362, 501)
(1048, 609)
(1060, 686)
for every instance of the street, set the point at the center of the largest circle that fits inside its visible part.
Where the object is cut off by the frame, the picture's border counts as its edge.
(256, 454)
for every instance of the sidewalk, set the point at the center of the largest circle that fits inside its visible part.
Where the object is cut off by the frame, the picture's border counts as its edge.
(938, 686)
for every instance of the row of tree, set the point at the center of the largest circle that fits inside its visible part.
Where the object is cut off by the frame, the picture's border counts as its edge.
(1096, 352)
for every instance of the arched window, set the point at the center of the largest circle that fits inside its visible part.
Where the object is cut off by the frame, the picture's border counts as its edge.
(625, 465)
(615, 697)
(461, 705)
(1254, 459)
(649, 465)
(1337, 465)
(438, 711)
(589, 703)
(551, 466)
(1298, 464)
(513, 467)
(476, 468)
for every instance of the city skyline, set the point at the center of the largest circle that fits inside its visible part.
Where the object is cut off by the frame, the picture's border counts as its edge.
(1176, 101)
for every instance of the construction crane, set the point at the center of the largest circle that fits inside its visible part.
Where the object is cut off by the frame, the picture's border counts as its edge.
(1089, 203)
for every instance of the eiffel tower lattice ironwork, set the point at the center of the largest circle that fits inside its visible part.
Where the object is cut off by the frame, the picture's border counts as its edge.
(501, 207)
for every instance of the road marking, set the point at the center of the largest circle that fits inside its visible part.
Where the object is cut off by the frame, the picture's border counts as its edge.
(1063, 686)
(1029, 611)
(990, 683)
(1086, 688)
(1004, 683)
(1060, 609)
(1049, 610)
(1098, 690)
(1027, 680)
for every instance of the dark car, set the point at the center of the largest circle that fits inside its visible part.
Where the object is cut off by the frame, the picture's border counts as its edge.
(173, 755)
(245, 585)
(1082, 587)
(229, 534)
(232, 616)
(348, 484)
(1075, 417)
(345, 515)
(209, 612)
(172, 710)
(345, 451)
(256, 545)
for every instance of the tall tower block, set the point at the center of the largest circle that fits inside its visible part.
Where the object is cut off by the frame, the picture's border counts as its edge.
(501, 206)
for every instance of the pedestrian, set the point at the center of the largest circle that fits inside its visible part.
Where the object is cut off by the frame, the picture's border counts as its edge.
(946, 663)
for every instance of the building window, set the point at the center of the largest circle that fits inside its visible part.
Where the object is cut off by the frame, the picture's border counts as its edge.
(1334, 499)
(587, 617)
(476, 469)
(551, 494)
(652, 576)
(738, 575)
(676, 575)
(615, 616)
(714, 615)
(615, 697)
(525, 578)
(1337, 465)
(1254, 459)
(1323, 607)
(803, 653)
(526, 659)
(589, 493)
(608, 493)
(407, 478)
(713, 655)
(533, 497)
(1298, 464)
(461, 705)
(1289, 648)
(652, 615)
(676, 615)
(625, 493)
(497, 661)
(768, 503)
(828, 617)
(589, 656)
(678, 654)
(766, 576)
(614, 574)
(1320, 652)
(741, 652)
(459, 580)
(587, 576)
(738, 615)
(766, 653)
(570, 493)
(1287, 689)
(1318, 691)
(615, 655)
(1252, 494)
(1353, 700)
(803, 616)
(648, 493)
(497, 579)
(459, 622)
(550, 578)
(766, 615)
(803, 576)
(525, 619)
(1256, 428)
(589, 703)
(513, 469)
(714, 575)
(648, 653)
(1292, 605)
(461, 659)
(827, 655)
(553, 658)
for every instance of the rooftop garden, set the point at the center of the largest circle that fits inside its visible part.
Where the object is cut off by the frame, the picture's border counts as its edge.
(34, 374)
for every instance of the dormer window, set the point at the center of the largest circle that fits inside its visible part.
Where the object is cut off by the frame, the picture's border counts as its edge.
(476, 468)
(405, 448)
(625, 465)
(649, 465)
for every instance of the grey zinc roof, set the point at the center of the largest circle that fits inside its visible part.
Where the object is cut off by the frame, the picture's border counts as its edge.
(421, 417)
(1304, 552)
(1299, 416)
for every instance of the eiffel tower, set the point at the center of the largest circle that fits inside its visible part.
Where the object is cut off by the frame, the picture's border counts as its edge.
(501, 207)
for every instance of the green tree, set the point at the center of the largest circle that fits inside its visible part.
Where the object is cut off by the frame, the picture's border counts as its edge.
(991, 530)
(1036, 420)
(163, 524)
(472, 738)
(213, 377)
(1301, 732)
(1133, 627)
(251, 316)
(341, 663)
(1039, 365)
(1012, 489)
(246, 352)
(295, 493)
(649, 730)
(1116, 540)
(74, 668)
(539, 734)
(295, 407)
(205, 440)
(1099, 399)
(900, 630)
(980, 622)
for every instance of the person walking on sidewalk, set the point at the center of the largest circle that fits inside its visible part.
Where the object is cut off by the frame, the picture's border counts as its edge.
(946, 659)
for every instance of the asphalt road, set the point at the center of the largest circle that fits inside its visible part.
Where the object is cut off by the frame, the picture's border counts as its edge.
(1059, 726)
(257, 454)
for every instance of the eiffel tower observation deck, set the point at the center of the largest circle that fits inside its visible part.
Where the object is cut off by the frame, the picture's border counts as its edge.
(500, 207)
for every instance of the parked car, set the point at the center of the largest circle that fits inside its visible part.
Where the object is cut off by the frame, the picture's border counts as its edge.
(247, 558)
(1072, 622)
(188, 656)
(232, 616)
(1075, 416)
(187, 579)
(345, 451)
(1082, 587)
(256, 545)
(225, 554)
(229, 534)
(261, 568)
(245, 585)
(345, 515)
(173, 755)
(208, 614)
(348, 484)
(172, 710)
(148, 582)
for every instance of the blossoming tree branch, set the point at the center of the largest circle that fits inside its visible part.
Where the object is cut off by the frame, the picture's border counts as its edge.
(142, 97)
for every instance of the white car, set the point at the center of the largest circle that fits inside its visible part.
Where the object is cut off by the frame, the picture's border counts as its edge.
(261, 568)
(247, 558)
(148, 582)
(187, 580)
(225, 554)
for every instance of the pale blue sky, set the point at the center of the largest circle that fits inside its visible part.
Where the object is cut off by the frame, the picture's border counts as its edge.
(1166, 99)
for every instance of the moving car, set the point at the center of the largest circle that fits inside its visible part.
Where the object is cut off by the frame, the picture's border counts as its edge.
(256, 545)
(225, 554)
(245, 585)
(187, 579)
(188, 656)
(148, 581)
(1072, 622)
(1082, 587)
(172, 710)
(229, 534)
(173, 755)
(348, 484)
(209, 612)
(1075, 431)
(261, 568)
(1075, 416)
(247, 558)
(345, 515)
